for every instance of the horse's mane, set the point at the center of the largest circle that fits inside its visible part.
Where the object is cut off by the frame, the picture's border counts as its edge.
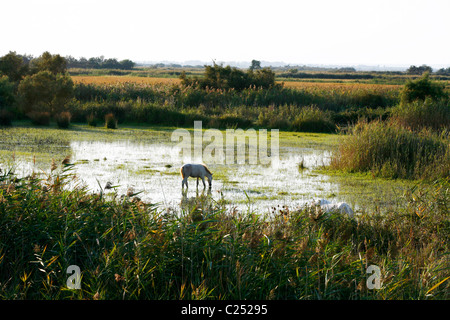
(206, 168)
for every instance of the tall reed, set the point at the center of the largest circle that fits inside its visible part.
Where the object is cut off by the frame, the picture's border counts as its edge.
(423, 114)
(390, 150)
(128, 249)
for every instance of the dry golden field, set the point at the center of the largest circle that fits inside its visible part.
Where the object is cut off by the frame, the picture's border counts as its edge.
(339, 86)
(123, 79)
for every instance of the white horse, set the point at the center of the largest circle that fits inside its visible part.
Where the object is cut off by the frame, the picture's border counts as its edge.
(195, 171)
(328, 206)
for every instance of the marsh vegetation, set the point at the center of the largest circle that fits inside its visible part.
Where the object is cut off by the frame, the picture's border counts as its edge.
(129, 249)
(90, 177)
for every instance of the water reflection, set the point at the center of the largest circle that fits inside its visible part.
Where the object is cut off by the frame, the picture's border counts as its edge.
(154, 170)
(201, 199)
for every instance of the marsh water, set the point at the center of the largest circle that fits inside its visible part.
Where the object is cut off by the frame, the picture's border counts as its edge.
(151, 168)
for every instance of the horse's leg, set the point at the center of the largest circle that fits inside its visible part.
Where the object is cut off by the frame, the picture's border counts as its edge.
(204, 184)
(184, 182)
(197, 182)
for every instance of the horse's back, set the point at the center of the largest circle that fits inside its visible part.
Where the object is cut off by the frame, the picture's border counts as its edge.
(190, 169)
(195, 170)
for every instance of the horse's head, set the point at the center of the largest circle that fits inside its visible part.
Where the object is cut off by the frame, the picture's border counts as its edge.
(210, 177)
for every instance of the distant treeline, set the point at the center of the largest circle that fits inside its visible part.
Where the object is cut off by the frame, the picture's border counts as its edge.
(303, 75)
(444, 71)
(99, 63)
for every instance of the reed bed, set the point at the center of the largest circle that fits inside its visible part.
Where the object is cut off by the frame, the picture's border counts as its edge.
(344, 85)
(389, 150)
(173, 104)
(421, 114)
(114, 80)
(127, 249)
(326, 95)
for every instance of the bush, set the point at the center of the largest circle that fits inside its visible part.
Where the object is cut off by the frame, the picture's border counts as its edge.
(312, 119)
(91, 120)
(392, 151)
(40, 118)
(110, 121)
(276, 117)
(421, 89)
(63, 119)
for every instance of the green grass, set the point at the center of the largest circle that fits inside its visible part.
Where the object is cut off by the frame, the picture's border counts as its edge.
(127, 249)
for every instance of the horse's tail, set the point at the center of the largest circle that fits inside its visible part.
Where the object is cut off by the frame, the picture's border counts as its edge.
(182, 172)
(206, 168)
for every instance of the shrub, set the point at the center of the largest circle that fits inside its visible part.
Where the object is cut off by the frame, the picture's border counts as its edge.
(312, 119)
(63, 119)
(392, 151)
(110, 121)
(40, 118)
(421, 89)
(91, 120)
(275, 117)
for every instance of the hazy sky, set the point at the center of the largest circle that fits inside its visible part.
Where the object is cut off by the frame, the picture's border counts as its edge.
(347, 32)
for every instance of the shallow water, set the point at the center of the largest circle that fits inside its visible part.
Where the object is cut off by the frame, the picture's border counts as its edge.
(148, 162)
(153, 170)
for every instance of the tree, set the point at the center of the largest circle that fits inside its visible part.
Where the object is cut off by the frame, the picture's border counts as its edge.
(419, 70)
(127, 64)
(255, 65)
(443, 71)
(6, 92)
(14, 66)
(45, 91)
(111, 64)
(48, 62)
(219, 77)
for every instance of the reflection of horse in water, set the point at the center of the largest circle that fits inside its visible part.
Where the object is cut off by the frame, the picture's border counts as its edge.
(195, 171)
(201, 201)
